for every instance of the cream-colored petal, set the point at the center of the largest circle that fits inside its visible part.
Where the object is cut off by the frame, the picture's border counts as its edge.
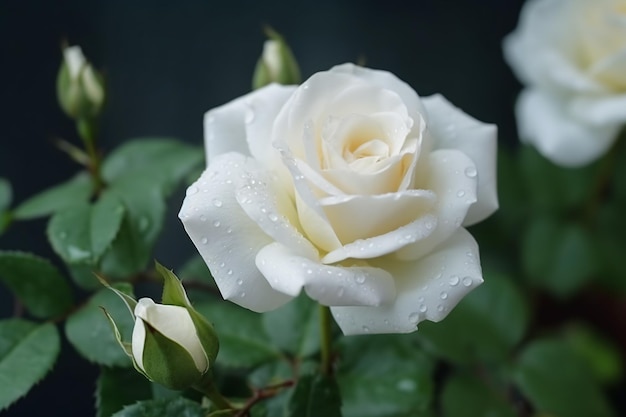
(543, 122)
(600, 110)
(427, 289)
(455, 193)
(173, 322)
(330, 285)
(138, 341)
(362, 216)
(244, 125)
(226, 237)
(451, 128)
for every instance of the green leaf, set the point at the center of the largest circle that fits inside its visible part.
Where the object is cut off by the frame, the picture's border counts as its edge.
(36, 283)
(165, 407)
(164, 161)
(384, 376)
(243, 342)
(295, 327)
(6, 194)
(90, 333)
(81, 233)
(117, 387)
(315, 396)
(145, 211)
(467, 396)
(557, 256)
(611, 246)
(557, 381)
(71, 192)
(27, 353)
(485, 325)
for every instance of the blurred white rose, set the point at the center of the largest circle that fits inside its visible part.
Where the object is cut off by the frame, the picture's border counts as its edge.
(571, 55)
(350, 187)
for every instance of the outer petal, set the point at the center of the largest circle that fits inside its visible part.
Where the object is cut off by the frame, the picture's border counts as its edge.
(542, 51)
(244, 125)
(542, 121)
(452, 128)
(427, 289)
(603, 110)
(226, 237)
(330, 285)
(455, 192)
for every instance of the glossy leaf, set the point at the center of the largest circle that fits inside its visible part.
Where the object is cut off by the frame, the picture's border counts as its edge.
(27, 353)
(384, 376)
(557, 381)
(74, 191)
(36, 283)
(179, 407)
(313, 396)
(90, 333)
(467, 396)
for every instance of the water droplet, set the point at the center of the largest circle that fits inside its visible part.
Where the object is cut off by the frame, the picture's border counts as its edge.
(202, 218)
(439, 308)
(216, 223)
(454, 280)
(467, 281)
(273, 217)
(192, 190)
(429, 225)
(366, 329)
(420, 299)
(360, 278)
(406, 385)
(204, 240)
(414, 318)
(443, 295)
(461, 193)
(470, 172)
(239, 282)
(243, 294)
(309, 271)
(340, 292)
(423, 308)
(386, 322)
(217, 203)
(229, 230)
(229, 272)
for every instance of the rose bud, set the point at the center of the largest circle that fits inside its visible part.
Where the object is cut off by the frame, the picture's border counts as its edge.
(277, 63)
(80, 88)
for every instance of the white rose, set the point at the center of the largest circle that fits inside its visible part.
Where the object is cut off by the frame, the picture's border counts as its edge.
(571, 54)
(350, 187)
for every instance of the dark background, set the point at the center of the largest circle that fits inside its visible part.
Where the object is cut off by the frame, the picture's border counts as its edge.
(167, 64)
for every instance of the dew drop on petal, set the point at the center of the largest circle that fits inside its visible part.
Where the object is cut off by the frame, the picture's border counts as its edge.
(243, 294)
(229, 272)
(440, 307)
(470, 172)
(443, 295)
(192, 190)
(467, 281)
(460, 193)
(217, 203)
(454, 280)
(340, 292)
(204, 240)
(202, 218)
(414, 318)
(216, 223)
(423, 308)
(273, 217)
(360, 278)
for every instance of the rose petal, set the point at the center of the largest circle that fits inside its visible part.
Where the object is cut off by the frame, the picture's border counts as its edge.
(542, 122)
(452, 128)
(602, 110)
(455, 192)
(288, 272)
(226, 237)
(542, 51)
(427, 289)
(244, 125)
(366, 216)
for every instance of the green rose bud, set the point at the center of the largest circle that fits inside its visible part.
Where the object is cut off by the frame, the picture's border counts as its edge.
(80, 89)
(277, 63)
(172, 343)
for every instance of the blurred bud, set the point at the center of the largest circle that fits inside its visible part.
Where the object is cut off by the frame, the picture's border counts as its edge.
(166, 346)
(80, 89)
(172, 343)
(277, 63)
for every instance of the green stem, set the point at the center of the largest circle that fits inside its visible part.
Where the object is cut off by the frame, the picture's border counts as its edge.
(87, 132)
(208, 388)
(326, 339)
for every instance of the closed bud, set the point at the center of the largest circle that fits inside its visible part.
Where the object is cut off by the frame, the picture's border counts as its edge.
(80, 88)
(166, 346)
(277, 63)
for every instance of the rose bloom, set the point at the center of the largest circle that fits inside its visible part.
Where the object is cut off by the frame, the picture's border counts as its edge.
(350, 187)
(571, 54)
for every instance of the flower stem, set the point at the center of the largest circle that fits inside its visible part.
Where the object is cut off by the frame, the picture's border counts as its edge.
(208, 388)
(325, 330)
(87, 131)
